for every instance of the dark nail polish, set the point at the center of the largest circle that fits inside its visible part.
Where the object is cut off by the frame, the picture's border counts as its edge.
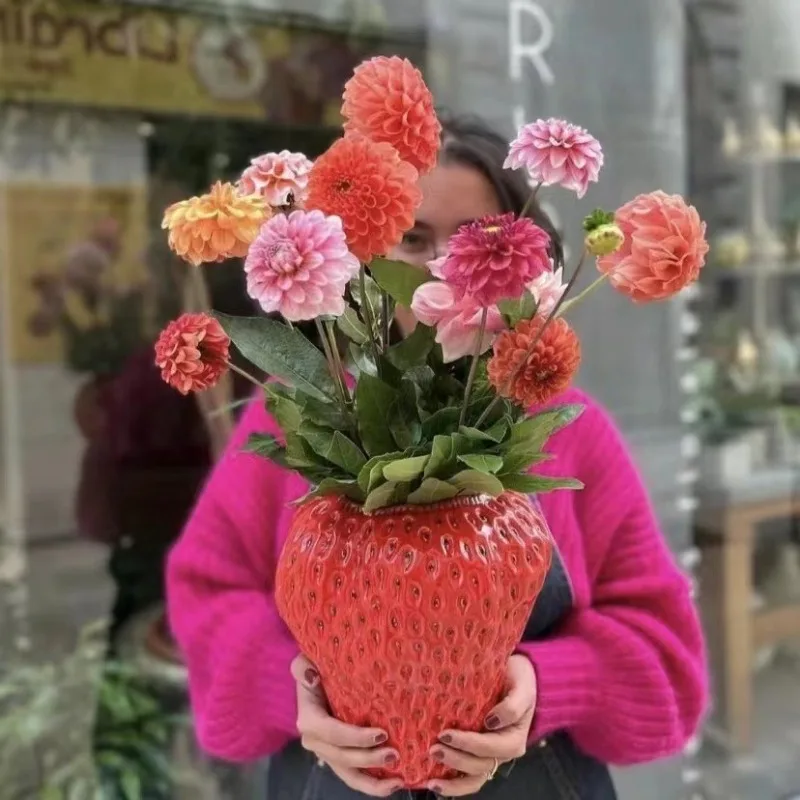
(391, 760)
(446, 738)
(311, 676)
(492, 722)
(381, 738)
(438, 755)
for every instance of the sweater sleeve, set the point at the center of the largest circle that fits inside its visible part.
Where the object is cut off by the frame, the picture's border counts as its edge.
(626, 674)
(222, 609)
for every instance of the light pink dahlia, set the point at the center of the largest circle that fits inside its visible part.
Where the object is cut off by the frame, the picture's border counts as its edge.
(495, 258)
(556, 152)
(280, 178)
(547, 290)
(457, 322)
(299, 266)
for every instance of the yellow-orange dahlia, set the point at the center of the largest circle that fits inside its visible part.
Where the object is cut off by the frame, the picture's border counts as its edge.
(370, 188)
(547, 371)
(387, 100)
(215, 226)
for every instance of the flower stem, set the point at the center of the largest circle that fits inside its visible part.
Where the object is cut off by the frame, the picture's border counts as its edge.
(583, 295)
(503, 390)
(239, 371)
(529, 202)
(329, 356)
(368, 318)
(387, 322)
(337, 360)
(473, 369)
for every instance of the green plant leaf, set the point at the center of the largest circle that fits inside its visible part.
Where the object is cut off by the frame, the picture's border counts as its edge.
(362, 360)
(131, 785)
(472, 482)
(482, 462)
(441, 422)
(373, 299)
(514, 311)
(479, 436)
(388, 494)
(398, 279)
(520, 459)
(352, 327)
(404, 423)
(282, 352)
(333, 486)
(442, 455)
(334, 446)
(405, 470)
(374, 398)
(413, 351)
(534, 431)
(325, 413)
(262, 444)
(281, 404)
(537, 484)
(432, 490)
(372, 472)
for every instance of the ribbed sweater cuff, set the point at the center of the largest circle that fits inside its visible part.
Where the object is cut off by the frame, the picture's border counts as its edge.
(568, 683)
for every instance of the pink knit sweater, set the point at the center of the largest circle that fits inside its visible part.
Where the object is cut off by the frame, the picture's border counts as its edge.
(625, 674)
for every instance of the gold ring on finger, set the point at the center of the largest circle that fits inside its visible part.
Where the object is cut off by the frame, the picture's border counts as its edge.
(493, 771)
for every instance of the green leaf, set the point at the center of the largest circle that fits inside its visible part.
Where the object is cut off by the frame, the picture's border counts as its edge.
(374, 301)
(514, 311)
(374, 398)
(388, 494)
(443, 421)
(482, 462)
(442, 454)
(334, 446)
(131, 785)
(536, 484)
(432, 490)
(267, 446)
(403, 417)
(398, 279)
(327, 414)
(333, 486)
(372, 472)
(536, 430)
(521, 459)
(413, 351)
(363, 361)
(472, 482)
(500, 430)
(281, 351)
(281, 404)
(352, 327)
(405, 470)
(478, 436)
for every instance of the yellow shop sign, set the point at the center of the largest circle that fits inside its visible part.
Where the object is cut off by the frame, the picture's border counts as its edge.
(125, 57)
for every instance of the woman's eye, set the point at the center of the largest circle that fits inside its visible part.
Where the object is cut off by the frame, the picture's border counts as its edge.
(414, 242)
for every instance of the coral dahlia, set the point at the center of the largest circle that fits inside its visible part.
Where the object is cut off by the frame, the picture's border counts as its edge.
(495, 258)
(370, 188)
(387, 100)
(280, 178)
(215, 226)
(546, 372)
(299, 266)
(192, 353)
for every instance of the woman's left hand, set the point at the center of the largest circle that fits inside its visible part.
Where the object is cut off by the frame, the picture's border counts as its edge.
(478, 755)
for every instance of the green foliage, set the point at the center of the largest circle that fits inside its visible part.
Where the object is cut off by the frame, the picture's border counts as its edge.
(597, 219)
(398, 279)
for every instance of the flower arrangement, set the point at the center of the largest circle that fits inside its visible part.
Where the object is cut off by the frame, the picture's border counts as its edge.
(448, 411)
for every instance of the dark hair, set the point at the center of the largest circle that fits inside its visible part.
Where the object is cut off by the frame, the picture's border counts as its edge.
(470, 141)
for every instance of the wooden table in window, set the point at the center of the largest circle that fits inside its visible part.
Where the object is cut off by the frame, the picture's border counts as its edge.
(727, 526)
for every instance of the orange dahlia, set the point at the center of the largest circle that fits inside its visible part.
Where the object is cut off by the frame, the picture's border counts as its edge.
(215, 226)
(370, 188)
(192, 353)
(547, 370)
(387, 100)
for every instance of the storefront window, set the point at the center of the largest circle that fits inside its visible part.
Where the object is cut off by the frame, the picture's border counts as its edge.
(109, 112)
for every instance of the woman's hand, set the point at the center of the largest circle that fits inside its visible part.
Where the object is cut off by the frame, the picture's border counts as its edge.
(477, 755)
(347, 750)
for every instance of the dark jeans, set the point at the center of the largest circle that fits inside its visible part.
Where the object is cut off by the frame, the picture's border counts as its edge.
(553, 769)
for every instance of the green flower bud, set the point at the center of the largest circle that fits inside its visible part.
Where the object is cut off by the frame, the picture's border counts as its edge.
(604, 240)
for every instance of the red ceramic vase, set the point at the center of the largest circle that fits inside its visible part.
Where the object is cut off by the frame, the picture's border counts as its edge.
(411, 613)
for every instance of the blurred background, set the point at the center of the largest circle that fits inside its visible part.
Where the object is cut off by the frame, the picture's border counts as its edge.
(111, 110)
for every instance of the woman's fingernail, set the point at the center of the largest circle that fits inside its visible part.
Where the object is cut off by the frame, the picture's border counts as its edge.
(391, 760)
(438, 755)
(436, 789)
(381, 738)
(311, 676)
(492, 722)
(446, 738)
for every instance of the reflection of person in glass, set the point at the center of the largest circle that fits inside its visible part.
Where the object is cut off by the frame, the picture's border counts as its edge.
(611, 668)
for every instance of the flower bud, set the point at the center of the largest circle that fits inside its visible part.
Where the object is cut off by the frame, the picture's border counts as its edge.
(604, 240)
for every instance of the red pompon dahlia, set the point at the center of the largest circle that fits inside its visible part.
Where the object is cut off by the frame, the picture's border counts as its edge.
(495, 258)
(547, 371)
(387, 100)
(369, 187)
(192, 353)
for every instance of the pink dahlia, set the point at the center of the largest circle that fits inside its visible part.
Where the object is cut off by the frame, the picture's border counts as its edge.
(495, 258)
(557, 152)
(664, 250)
(457, 322)
(299, 266)
(280, 178)
(547, 290)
